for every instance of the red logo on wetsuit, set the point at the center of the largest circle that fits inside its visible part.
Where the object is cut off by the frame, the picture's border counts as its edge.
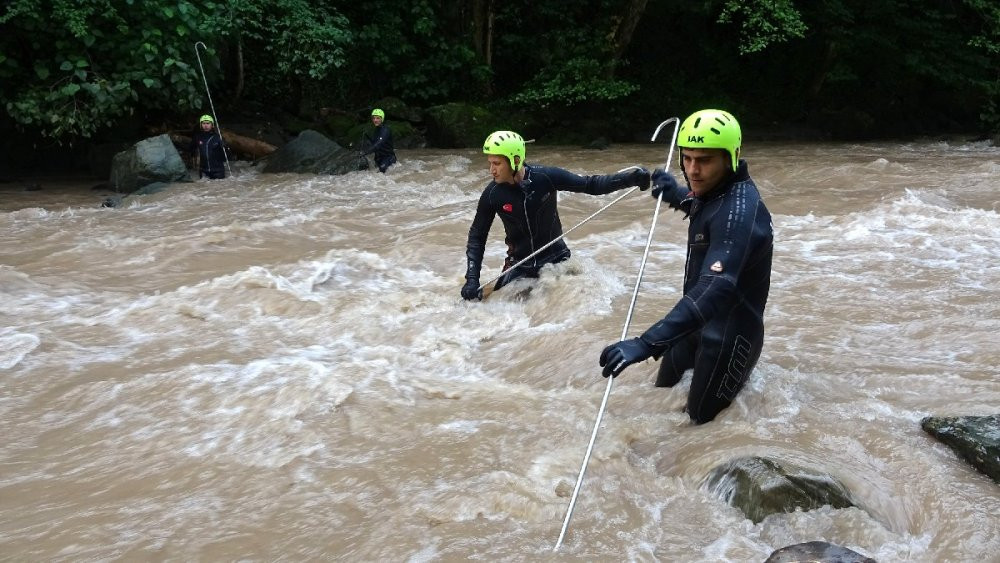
(508, 207)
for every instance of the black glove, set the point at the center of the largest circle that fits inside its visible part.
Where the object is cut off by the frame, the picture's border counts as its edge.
(622, 354)
(636, 177)
(471, 290)
(663, 180)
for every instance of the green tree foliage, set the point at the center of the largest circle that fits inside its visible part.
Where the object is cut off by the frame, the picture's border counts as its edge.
(763, 22)
(559, 54)
(417, 50)
(852, 67)
(289, 43)
(986, 39)
(68, 67)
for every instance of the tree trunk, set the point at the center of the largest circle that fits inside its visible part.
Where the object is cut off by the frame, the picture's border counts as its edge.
(239, 68)
(482, 31)
(829, 56)
(621, 35)
(246, 146)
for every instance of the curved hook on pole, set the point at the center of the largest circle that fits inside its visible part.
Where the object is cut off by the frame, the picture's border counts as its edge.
(218, 126)
(628, 320)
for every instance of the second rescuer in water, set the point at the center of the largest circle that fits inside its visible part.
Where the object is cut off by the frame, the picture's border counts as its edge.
(524, 197)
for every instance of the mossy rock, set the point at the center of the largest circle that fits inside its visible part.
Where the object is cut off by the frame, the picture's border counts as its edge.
(760, 487)
(397, 110)
(976, 439)
(459, 125)
(339, 127)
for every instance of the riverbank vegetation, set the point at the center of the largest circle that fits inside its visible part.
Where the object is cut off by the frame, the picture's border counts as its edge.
(97, 70)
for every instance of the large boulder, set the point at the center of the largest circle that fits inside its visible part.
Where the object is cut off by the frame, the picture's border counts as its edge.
(976, 439)
(100, 156)
(313, 153)
(149, 161)
(817, 552)
(761, 487)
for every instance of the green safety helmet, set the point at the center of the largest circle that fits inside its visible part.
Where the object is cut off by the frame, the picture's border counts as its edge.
(711, 129)
(378, 112)
(207, 118)
(505, 143)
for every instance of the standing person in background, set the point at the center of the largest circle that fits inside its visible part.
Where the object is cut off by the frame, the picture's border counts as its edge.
(524, 197)
(208, 150)
(717, 327)
(380, 143)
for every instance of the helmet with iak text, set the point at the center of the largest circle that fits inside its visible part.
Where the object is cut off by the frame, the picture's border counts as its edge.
(711, 129)
(508, 144)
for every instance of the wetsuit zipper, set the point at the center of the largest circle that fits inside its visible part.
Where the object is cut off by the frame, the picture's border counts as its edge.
(527, 223)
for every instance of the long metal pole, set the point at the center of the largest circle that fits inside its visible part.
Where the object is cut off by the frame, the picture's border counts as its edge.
(218, 126)
(628, 320)
(566, 232)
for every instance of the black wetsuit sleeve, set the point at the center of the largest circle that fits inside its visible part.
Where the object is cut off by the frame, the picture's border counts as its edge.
(675, 197)
(478, 232)
(565, 180)
(731, 232)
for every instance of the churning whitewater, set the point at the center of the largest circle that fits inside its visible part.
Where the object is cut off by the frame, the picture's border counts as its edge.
(281, 367)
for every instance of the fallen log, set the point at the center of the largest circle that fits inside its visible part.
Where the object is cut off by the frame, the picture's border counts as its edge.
(240, 144)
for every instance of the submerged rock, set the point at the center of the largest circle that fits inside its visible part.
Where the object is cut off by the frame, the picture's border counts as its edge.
(760, 487)
(976, 439)
(818, 552)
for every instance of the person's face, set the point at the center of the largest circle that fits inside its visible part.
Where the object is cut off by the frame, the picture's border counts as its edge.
(500, 169)
(206, 125)
(705, 168)
(376, 120)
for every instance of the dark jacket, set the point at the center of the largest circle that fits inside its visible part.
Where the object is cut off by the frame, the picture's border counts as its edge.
(380, 143)
(730, 244)
(529, 214)
(209, 148)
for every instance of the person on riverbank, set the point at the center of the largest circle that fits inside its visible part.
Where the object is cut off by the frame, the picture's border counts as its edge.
(717, 326)
(380, 143)
(208, 150)
(524, 197)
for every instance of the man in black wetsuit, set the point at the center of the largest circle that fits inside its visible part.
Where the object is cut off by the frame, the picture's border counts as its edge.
(524, 197)
(208, 150)
(380, 142)
(717, 326)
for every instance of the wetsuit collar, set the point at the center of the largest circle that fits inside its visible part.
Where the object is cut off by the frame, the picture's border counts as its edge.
(524, 175)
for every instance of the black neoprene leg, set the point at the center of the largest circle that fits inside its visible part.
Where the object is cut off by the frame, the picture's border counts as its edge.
(729, 350)
(678, 359)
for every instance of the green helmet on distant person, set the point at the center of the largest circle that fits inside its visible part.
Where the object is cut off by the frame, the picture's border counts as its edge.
(378, 112)
(711, 129)
(207, 118)
(505, 143)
